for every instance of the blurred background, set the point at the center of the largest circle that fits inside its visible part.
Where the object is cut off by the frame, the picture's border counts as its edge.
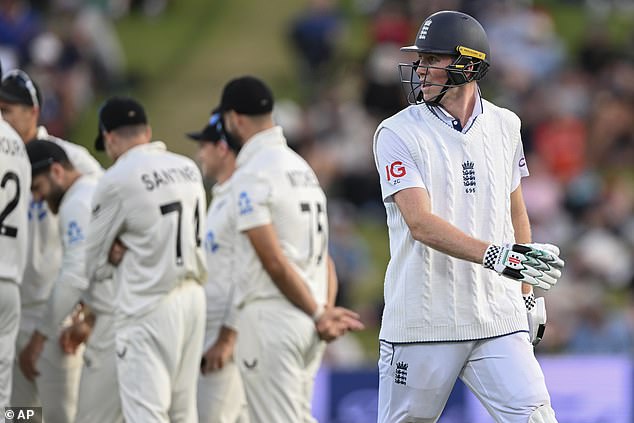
(565, 67)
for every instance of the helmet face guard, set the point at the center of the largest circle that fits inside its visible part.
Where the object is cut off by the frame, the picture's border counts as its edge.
(468, 66)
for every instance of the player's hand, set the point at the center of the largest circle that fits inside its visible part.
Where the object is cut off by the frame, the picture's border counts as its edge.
(337, 321)
(30, 354)
(534, 264)
(117, 250)
(73, 336)
(220, 353)
(536, 312)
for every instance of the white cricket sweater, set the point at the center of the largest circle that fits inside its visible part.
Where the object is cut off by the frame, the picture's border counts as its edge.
(431, 296)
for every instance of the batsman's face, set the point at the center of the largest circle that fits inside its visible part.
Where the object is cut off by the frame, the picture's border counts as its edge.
(432, 73)
(22, 118)
(44, 188)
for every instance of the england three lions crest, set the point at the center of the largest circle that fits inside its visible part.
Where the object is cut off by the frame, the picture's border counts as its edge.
(468, 177)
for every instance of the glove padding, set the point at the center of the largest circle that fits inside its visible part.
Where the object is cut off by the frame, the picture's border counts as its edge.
(534, 264)
(536, 318)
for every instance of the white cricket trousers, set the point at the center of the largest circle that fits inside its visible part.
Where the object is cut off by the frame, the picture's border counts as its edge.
(221, 397)
(415, 380)
(98, 388)
(278, 353)
(158, 358)
(9, 324)
(57, 386)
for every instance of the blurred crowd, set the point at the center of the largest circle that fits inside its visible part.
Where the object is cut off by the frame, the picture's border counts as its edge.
(70, 48)
(577, 109)
(576, 103)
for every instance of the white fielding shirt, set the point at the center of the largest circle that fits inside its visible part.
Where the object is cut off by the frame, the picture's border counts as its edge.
(153, 201)
(220, 251)
(274, 185)
(431, 296)
(45, 246)
(15, 192)
(71, 283)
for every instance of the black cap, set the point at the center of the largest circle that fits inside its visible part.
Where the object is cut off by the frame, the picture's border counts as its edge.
(18, 88)
(246, 95)
(212, 132)
(43, 153)
(117, 112)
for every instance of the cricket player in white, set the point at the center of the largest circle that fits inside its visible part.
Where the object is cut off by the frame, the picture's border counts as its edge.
(56, 386)
(450, 168)
(283, 270)
(150, 203)
(69, 196)
(15, 183)
(221, 397)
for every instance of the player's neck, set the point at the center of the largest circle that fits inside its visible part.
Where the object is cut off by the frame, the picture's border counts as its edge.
(225, 172)
(70, 177)
(30, 134)
(459, 102)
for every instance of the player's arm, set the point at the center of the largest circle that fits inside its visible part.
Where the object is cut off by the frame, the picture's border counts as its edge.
(71, 282)
(333, 282)
(433, 231)
(105, 224)
(268, 249)
(330, 322)
(222, 349)
(67, 289)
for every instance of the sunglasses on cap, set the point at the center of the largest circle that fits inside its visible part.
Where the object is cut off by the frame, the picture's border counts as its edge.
(23, 79)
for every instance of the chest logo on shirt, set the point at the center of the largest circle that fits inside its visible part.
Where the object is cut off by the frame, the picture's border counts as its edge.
(74, 233)
(244, 203)
(468, 177)
(395, 170)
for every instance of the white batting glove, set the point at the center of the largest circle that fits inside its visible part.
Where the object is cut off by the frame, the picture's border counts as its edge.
(536, 313)
(534, 264)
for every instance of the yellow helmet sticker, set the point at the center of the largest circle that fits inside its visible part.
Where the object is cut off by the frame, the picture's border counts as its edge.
(466, 51)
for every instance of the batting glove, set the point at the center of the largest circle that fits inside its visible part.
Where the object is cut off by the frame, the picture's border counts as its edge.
(534, 264)
(536, 312)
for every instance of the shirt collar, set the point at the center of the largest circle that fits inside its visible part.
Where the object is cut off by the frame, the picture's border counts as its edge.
(41, 133)
(219, 189)
(266, 138)
(448, 119)
(150, 146)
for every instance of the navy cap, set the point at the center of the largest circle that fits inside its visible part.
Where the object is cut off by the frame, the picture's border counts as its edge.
(117, 112)
(212, 132)
(18, 88)
(246, 95)
(43, 153)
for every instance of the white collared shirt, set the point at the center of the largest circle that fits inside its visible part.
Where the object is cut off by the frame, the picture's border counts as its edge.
(153, 201)
(274, 185)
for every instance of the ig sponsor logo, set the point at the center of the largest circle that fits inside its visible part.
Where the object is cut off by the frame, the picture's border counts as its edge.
(395, 170)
